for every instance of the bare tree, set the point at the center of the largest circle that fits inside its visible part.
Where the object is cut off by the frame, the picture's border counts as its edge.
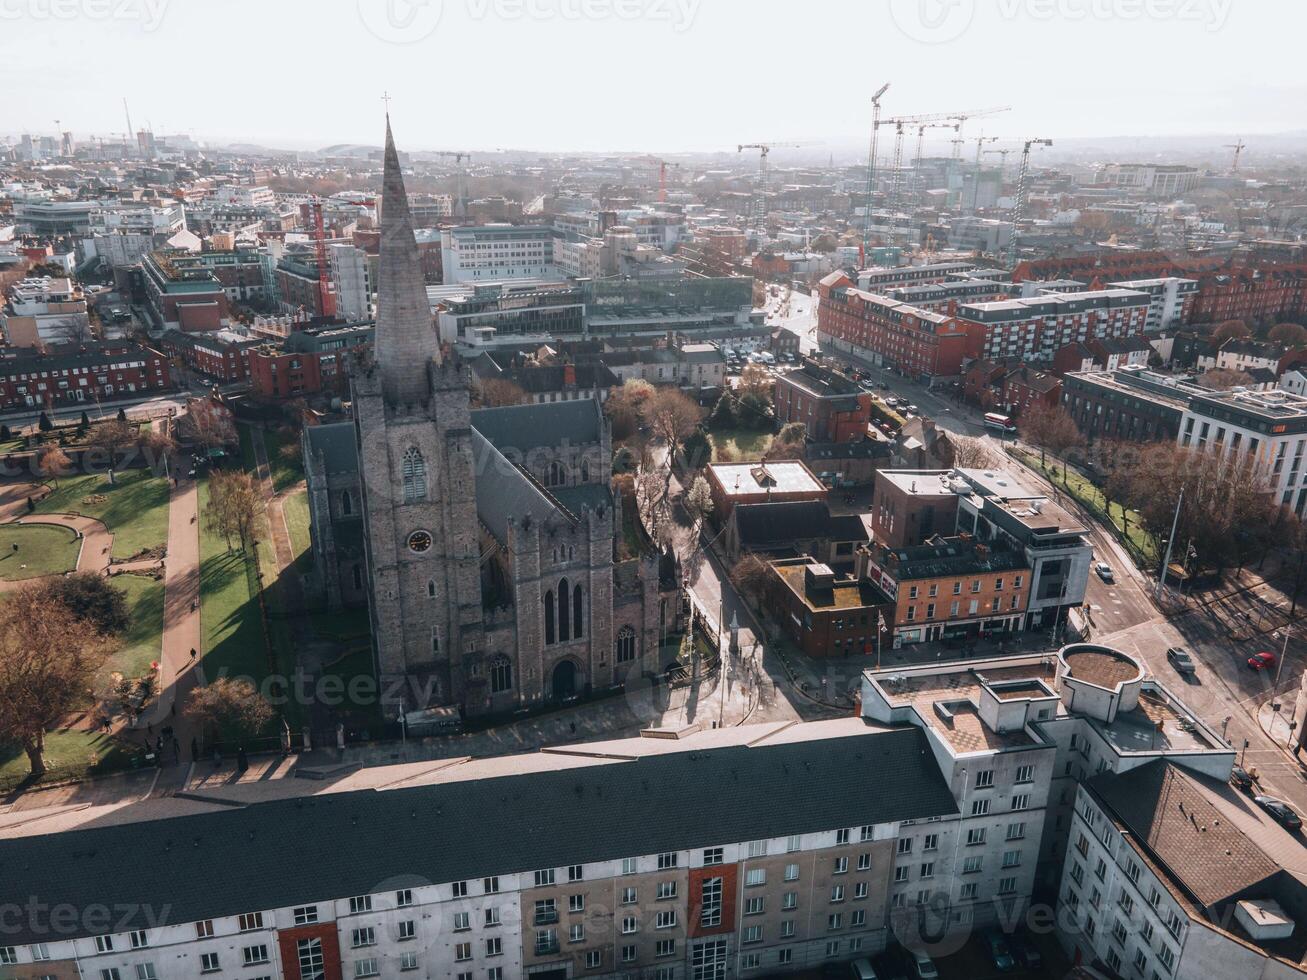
(75, 328)
(1230, 330)
(790, 443)
(1289, 334)
(1223, 379)
(752, 576)
(229, 704)
(113, 437)
(48, 657)
(699, 500)
(494, 392)
(1051, 429)
(671, 417)
(53, 463)
(972, 453)
(624, 406)
(234, 507)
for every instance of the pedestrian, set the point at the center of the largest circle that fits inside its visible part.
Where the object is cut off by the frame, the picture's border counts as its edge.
(192, 653)
(242, 760)
(195, 749)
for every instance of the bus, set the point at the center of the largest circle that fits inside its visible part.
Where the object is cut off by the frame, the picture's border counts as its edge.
(1000, 422)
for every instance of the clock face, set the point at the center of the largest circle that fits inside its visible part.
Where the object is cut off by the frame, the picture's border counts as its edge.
(419, 542)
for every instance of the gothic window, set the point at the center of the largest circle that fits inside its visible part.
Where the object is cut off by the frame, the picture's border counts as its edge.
(431, 588)
(564, 613)
(501, 675)
(585, 471)
(557, 476)
(346, 503)
(415, 476)
(549, 617)
(625, 645)
(435, 641)
(576, 612)
(358, 577)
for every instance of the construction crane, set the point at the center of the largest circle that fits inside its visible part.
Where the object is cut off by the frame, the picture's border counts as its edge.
(326, 293)
(460, 184)
(1019, 206)
(962, 117)
(662, 175)
(1237, 146)
(871, 166)
(950, 120)
(759, 209)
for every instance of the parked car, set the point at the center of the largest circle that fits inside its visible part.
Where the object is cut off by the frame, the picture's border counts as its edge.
(923, 967)
(1104, 571)
(1240, 777)
(1026, 953)
(999, 953)
(1261, 661)
(1280, 812)
(1180, 659)
(862, 970)
(913, 409)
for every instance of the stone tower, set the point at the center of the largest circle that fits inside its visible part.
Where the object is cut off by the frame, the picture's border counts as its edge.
(418, 478)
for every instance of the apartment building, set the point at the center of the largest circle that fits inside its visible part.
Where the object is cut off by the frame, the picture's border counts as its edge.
(182, 293)
(1035, 328)
(486, 253)
(878, 279)
(832, 406)
(952, 588)
(89, 372)
(219, 354)
(1170, 300)
(463, 872)
(944, 297)
(909, 506)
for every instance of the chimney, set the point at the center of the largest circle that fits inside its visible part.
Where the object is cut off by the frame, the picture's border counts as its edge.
(861, 563)
(569, 375)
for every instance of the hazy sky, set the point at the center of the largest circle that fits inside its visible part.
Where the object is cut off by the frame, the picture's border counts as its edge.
(655, 75)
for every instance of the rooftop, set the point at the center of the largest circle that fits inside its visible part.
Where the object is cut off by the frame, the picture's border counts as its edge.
(1100, 666)
(778, 476)
(841, 594)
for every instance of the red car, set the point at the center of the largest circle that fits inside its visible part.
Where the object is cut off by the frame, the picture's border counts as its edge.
(1261, 661)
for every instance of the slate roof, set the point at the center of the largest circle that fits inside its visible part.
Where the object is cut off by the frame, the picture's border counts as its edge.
(335, 441)
(504, 491)
(1168, 813)
(332, 846)
(761, 524)
(526, 427)
(577, 498)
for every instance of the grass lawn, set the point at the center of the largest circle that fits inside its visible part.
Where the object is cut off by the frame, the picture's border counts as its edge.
(747, 444)
(230, 625)
(296, 508)
(43, 549)
(135, 508)
(70, 754)
(143, 642)
(285, 472)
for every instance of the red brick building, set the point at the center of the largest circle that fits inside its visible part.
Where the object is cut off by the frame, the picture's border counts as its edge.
(94, 371)
(905, 338)
(217, 354)
(825, 616)
(832, 406)
(1028, 386)
(761, 483)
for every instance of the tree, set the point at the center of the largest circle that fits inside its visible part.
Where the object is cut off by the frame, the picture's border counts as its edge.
(972, 453)
(699, 500)
(112, 438)
(156, 446)
(696, 450)
(229, 705)
(234, 507)
(48, 658)
(1230, 330)
(1223, 379)
(53, 463)
(790, 443)
(500, 391)
(92, 598)
(122, 415)
(1051, 429)
(1290, 335)
(623, 406)
(671, 417)
(44, 423)
(86, 420)
(74, 329)
(754, 379)
(752, 576)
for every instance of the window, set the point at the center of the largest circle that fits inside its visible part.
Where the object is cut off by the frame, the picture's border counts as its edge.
(984, 779)
(666, 860)
(1167, 957)
(712, 855)
(836, 893)
(753, 906)
(253, 955)
(905, 845)
(901, 873)
(867, 833)
(625, 645)
(39, 951)
(757, 848)
(576, 903)
(104, 944)
(1007, 886)
(665, 919)
(752, 934)
(546, 942)
(306, 915)
(1025, 774)
(407, 929)
(138, 939)
(791, 872)
(1173, 924)
(361, 903)
(789, 901)
(145, 971)
(209, 963)
(841, 866)
(495, 946)
(975, 836)
(545, 877)
(630, 924)
(463, 921)
(414, 476)
(594, 959)
(630, 954)
(928, 843)
(1021, 801)
(110, 974)
(366, 967)
(368, 936)
(628, 866)
(666, 890)
(309, 954)
(979, 808)
(972, 865)
(665, 947)
(858, 917)
(710, 906)
(1011, 859)
(8, 955)
(408, 961)
(546, 911)
(628, 896)
(491, 885)
(864, 861)
(575, 872)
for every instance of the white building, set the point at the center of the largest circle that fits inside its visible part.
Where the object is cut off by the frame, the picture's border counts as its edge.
(1170, 299)
(486, 253)
(242, 196)
(351, 271)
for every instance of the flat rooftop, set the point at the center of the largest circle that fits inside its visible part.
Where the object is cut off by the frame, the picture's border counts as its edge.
(843, 594)
(782, 476)
(1101, 666)
(1158, 724)
(919, 483)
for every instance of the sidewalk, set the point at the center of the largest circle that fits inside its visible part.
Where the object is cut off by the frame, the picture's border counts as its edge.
(1276, 725)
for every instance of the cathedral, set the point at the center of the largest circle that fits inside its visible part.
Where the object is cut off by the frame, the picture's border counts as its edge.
(483, 541)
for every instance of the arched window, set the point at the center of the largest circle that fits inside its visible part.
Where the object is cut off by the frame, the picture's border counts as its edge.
(625, 645)
(431, 588)
(346, 503)
(549, 617)
(358, 577)
(501, 675)
(564, 612)
(577, 617)
(415, 476)
(585, 471)
(557, 475)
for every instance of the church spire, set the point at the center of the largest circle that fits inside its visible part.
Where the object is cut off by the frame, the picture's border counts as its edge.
(405, 336)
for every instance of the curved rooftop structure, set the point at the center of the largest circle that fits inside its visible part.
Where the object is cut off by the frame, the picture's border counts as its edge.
(1098, 681)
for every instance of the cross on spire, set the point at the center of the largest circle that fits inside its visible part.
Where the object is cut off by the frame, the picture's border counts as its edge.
(385, 97)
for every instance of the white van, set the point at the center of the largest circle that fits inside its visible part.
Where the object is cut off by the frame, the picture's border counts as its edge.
(861, 970)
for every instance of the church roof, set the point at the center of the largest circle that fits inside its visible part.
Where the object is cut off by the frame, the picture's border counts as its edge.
(504, 491)
(335, 441)
(522, 428)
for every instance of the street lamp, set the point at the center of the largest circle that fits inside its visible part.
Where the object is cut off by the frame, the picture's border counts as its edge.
(403, 726)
